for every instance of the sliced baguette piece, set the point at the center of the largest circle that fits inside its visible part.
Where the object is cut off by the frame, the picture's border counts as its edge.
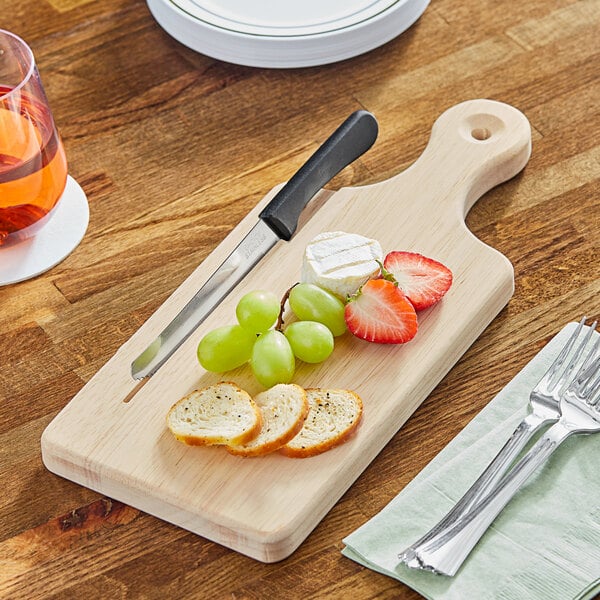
(332, 417)
(283, 409)
(218, 414)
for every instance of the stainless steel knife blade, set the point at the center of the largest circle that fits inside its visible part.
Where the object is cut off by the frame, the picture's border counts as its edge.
(248, 252)
(277, 221)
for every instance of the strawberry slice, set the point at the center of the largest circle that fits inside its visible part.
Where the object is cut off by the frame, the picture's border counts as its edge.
(380, 312)
(422, 279)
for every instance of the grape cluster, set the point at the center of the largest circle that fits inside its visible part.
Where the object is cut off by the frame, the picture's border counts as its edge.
(259, 336)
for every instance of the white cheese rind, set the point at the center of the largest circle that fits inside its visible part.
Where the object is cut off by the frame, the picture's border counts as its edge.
(340, 262)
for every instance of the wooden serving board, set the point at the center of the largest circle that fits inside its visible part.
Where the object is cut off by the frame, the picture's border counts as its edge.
(265, 507)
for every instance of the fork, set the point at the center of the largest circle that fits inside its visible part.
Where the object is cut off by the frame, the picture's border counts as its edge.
(544, 409)
(580, 413)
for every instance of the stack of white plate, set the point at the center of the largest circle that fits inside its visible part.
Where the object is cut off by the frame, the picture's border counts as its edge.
(285, 33)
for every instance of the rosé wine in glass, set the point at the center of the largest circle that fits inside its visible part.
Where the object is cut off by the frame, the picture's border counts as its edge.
(33, 166)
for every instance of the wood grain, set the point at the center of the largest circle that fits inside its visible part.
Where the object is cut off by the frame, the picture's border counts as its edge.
(173, 150)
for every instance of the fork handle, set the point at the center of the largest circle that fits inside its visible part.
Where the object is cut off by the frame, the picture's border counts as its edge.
(445, 552)
(496, 469)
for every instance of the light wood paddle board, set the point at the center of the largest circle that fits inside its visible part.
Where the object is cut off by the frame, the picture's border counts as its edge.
(265, 507)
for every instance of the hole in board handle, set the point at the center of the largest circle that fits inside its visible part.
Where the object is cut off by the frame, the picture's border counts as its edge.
(481, 133)
(482, 127)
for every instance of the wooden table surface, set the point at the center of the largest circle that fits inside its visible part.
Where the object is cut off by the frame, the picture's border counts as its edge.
(172, 149)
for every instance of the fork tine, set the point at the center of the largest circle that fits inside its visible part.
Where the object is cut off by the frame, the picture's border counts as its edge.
(593, 388)
(560, 359)
(587, 383)
(556, 375)
(590, 356)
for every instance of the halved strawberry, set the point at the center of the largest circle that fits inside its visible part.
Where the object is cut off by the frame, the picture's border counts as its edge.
(422, 279)
(380, 312)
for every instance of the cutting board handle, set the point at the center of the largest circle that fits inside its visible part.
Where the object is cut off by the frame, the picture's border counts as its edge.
(473, 147)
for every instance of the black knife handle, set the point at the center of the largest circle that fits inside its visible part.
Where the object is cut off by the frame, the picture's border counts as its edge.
(351, 139)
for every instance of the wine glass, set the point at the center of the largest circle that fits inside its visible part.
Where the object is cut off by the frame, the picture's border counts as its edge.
(33, 171)
(33, 166)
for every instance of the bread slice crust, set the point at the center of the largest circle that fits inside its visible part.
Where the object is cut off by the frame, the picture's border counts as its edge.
(219, 414)
(284, 408)
(333, 416)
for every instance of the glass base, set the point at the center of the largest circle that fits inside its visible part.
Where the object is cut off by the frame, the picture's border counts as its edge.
(53, 243)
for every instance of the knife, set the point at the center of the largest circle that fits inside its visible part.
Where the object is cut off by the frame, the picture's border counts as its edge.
(277, 221)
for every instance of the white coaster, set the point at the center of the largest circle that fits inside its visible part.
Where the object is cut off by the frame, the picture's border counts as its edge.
(53, 243)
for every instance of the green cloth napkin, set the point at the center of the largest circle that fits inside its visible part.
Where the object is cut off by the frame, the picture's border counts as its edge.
(545, 545)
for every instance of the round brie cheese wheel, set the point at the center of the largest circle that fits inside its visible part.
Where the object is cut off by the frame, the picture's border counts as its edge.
(340, 262)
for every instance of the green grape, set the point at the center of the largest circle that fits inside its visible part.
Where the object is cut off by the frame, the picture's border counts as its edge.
(225, 348)
(272, 359)
(312, 303)
(311, 342)
(257, 311)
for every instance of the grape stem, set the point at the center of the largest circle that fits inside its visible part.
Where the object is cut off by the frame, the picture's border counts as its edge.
(279, 324)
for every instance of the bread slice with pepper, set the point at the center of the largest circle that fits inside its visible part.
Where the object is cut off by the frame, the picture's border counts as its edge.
(218, 414)
(333, 416)
(283, 409)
